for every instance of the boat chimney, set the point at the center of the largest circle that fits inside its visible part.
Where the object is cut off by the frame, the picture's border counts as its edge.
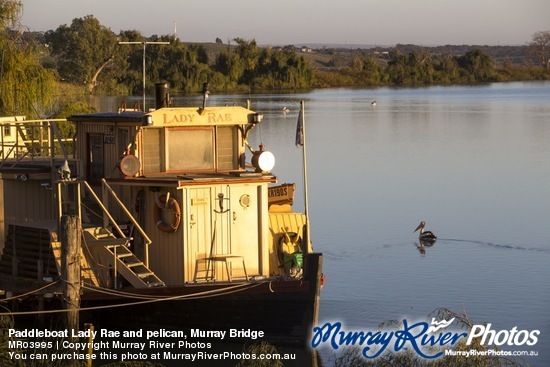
(162, 97)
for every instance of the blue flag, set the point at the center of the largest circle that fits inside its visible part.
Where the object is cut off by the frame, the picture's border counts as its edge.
(300, 130)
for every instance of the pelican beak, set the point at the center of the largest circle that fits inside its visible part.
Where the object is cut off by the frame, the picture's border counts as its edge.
(417, 228)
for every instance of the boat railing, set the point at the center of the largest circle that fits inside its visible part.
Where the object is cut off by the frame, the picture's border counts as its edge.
(66, 205)
(32, 141)
(109, 190)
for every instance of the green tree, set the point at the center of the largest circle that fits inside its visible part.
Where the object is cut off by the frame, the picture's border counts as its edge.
(265, 68)
(447, 70)
(185, 68)
(130, 62)
(412, 68)
(248, 53)
(26, 88)
(397, 67)
(84, 49)
(478, 66)
(230, 65)
(372, 71)
(195, 67)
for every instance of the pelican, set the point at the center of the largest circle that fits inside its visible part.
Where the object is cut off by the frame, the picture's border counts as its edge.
(424, 235)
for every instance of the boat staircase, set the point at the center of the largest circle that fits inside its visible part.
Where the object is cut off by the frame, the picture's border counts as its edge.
(106, 249)
(114, 253)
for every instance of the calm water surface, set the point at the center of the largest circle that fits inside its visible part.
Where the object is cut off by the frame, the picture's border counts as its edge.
(474, 162)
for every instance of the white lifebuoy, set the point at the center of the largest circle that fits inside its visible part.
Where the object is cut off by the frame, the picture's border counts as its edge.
(165, 201)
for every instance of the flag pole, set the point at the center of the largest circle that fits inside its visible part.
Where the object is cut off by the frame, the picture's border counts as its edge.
(304, 158)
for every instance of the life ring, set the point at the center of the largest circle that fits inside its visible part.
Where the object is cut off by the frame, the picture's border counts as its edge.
(168, 202)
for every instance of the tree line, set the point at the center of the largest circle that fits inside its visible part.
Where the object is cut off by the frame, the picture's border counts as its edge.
(86, 47)
(418, 68)
(88, 57)
(89, 53)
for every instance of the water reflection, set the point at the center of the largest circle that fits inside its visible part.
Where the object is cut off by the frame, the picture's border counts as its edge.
(422, 244)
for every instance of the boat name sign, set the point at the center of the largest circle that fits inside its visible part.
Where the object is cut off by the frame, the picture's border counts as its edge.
(211, 118)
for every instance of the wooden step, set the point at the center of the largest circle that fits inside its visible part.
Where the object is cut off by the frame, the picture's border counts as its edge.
(145, 275)
(129, 266)
(121, 256)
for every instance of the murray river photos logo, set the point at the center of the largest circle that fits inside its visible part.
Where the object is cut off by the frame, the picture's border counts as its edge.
(427, 340)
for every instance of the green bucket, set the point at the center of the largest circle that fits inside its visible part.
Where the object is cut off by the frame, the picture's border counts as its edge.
(294, 260)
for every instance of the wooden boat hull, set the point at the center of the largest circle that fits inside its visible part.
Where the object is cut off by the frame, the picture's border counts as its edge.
(282, 310)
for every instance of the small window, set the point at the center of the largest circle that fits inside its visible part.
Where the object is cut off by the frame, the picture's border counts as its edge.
(7, 130)
(152, 150)
(226, 138)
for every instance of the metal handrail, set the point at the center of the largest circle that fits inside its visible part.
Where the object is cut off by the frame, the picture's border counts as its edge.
(132, 219)
(20, 145)
(126, 211)
(105, 210)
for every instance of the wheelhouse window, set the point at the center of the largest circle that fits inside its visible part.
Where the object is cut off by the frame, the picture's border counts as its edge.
(190, 149)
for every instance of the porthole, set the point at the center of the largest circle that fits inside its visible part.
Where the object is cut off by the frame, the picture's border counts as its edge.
(245, 201)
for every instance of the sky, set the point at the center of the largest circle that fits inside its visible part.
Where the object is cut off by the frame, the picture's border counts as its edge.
(285, 22)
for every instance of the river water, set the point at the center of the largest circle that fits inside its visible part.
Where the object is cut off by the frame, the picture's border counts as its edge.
(472, 161)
